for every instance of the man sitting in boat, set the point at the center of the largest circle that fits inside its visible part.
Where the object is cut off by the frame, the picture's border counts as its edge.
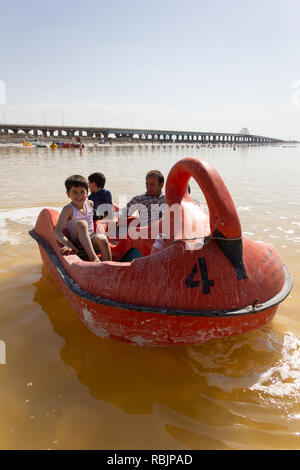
(98, 195)
(153, 200)
(77, 217)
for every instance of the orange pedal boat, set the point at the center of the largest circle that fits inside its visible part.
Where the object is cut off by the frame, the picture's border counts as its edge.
(206, 281)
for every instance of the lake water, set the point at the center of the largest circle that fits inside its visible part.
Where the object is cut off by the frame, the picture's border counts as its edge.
(64, 388)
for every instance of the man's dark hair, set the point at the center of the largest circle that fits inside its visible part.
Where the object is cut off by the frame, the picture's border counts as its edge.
(98, 178)
(156, 174)
(77, 181)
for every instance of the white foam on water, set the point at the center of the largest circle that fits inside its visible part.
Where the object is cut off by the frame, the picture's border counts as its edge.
(26, 216)
(283, 379)
(280, 380)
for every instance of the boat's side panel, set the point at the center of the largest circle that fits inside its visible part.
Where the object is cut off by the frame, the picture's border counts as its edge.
(205, 279)
(152, 329)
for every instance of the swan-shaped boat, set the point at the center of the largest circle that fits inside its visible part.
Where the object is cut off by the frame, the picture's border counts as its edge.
(205, 281)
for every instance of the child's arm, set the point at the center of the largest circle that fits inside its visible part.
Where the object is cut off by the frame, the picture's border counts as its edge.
(65, 215)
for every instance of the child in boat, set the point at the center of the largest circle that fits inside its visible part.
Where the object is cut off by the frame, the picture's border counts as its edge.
(77, 217)
(98, 195)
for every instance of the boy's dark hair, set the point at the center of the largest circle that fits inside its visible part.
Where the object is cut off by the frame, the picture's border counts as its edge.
(77, 181)
(98, 178)
(157, 174)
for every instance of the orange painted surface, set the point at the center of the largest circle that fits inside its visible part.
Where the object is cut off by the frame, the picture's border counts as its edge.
(172, 296)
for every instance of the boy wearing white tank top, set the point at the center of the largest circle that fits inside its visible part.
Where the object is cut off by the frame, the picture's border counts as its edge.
(77, 217)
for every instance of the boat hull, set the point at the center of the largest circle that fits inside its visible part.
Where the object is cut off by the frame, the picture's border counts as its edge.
(150, 328)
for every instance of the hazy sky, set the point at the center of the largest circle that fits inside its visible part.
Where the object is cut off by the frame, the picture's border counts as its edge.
(215, 65)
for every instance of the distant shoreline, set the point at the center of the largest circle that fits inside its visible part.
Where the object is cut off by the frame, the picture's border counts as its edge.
(90, 142)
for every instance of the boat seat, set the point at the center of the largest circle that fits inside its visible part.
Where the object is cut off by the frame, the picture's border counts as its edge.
(131, 254)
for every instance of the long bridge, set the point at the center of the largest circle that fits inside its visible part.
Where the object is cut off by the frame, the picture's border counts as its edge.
(29, 130)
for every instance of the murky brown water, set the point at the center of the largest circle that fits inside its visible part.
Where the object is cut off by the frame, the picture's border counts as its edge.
(64, 388)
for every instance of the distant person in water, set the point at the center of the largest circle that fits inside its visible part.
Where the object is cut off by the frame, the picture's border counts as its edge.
(77, 218)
